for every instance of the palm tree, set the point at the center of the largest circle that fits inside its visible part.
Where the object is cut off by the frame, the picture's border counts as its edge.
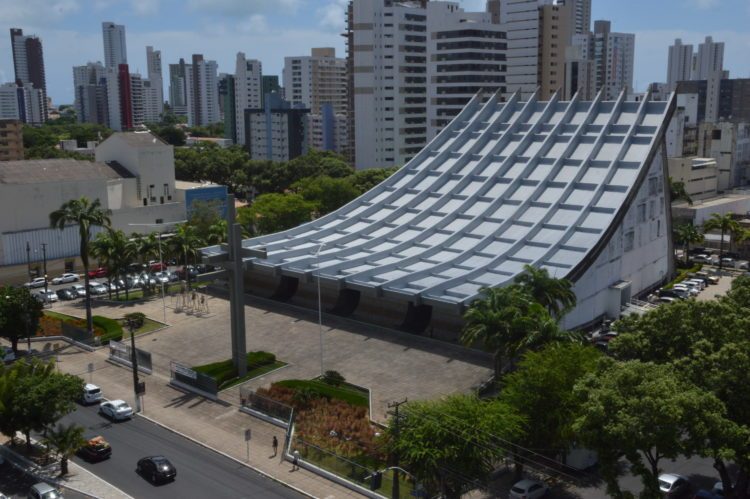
(687, 234)
(724, 223)
(113, 248)
(555, 294)
(217, 232)
(66, 440)
(185, 243)
(102, 248)
(85, 214)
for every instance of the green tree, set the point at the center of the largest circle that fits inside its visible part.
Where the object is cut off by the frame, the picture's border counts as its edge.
(687, 234)
(444, 441)
(677, 192)
(185, 243)
(19, 314)
(541, 391)
(85, 214)
(169, 133)
(204, 214)
(113, 250)
(217, 232)
(555, 294)
(644, 412)
(326, 193)
(275, 212)
(66, 441)
(725, 224)
(507, 321)
(364, 180)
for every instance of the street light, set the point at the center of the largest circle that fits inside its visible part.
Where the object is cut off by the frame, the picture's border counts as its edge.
(134, 364)
(320, 308)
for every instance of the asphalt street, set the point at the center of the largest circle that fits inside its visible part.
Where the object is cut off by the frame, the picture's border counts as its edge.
(200, 472)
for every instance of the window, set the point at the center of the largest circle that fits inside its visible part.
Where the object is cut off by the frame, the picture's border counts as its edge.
(716, 134)
(641, 213)
(629, 240)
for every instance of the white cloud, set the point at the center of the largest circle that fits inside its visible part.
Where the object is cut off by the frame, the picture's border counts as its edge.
(243, 7)
(145, 7)
(255, 24)
(333, 15)
(44, 12)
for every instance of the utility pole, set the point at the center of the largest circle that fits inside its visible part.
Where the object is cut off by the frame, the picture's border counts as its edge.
(28, 260)
(396, 492)
(44, 258)
(134, 363)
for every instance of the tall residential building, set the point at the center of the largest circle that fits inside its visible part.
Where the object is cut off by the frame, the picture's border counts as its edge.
(124, 98)
(138, 99)
(581, 15)
(602, 60)
(557, 24)
(23, 103)
(28, 63)
(11, 140)
(412, 65)
(709, 59)
(115, 50)
(178, 88)
(277, 132)
(90, 87)
(679, 64)
(271, 84)
(153, 87)
(248, 91)
(226, 94)
(202, 89)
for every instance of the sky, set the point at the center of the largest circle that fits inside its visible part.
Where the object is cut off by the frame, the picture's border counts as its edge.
(269, 30)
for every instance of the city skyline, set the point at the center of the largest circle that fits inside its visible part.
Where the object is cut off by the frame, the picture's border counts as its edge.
(232, 26)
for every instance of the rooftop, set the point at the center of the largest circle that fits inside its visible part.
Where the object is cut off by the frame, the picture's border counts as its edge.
(37, 171)
(141, 139)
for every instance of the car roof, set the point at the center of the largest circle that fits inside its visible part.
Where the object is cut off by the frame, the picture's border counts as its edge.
(116, 401)
(43, 487)
(90, 386)
(526, 483)
(671, 477)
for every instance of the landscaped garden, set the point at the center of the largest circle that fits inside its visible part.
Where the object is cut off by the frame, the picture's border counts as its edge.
(225, 374)
(106, 329)
(141, 323)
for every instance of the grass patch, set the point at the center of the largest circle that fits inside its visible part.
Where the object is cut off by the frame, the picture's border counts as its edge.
(683, 273)
(148, 326)
(112, 329)
(225, 374)
(58, 315)
(345, 392)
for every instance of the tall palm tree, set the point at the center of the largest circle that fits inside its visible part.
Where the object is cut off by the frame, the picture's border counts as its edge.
(687, 234)
(185, 243)
(556, 295)
(66, 440)
(726, 224)
(113, 248)
(85, 214)
(102, 249)
(217, 232)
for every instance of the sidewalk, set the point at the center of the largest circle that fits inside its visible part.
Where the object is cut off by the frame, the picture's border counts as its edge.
(219, 425)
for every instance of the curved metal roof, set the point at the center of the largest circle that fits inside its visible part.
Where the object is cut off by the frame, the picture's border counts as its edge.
(503, 185)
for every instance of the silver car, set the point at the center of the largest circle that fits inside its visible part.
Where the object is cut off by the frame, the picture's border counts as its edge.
(37, 282)
(67, 277)
(117, 410)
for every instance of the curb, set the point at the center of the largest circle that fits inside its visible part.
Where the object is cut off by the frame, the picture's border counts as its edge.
(81, 468)
(206, 446)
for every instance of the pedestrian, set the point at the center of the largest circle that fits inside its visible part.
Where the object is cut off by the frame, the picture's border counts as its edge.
(275, 445)
(295, 460)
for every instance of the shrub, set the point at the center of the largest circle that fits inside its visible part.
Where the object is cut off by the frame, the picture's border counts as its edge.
(112, 329)
(224, 372)
(136, 318)
(333, 378)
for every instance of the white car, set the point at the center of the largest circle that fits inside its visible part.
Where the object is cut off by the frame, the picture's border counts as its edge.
(97, 288)
(528, 489)
(117, 410)
(37, 282)
(65, 278)
(690, 290)
(47, 297)
(91, 394)
(673, 485)
(161, 277)
(80, 290)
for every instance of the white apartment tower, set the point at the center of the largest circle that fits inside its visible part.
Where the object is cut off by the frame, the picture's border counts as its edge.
(115, 50)
(709, 60)
(679, 64)
(153, 87)
(248, 90)
(202, 88)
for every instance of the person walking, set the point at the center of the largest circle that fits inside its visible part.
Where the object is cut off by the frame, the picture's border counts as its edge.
(275, 445)
(295, 460)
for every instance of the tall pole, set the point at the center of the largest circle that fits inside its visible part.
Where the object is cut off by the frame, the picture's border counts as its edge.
(28, 259)
(320, 309)
(395, 492)
(134, 363)
(161, 266)
(44, 257)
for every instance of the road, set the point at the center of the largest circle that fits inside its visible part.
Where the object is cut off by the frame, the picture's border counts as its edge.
(200, 472)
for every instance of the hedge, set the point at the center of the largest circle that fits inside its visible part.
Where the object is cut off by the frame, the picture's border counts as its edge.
(112, 329)
(349, 395)
(224, 372)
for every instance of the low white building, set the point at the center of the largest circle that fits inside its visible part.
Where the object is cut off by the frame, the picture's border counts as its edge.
(699, 175)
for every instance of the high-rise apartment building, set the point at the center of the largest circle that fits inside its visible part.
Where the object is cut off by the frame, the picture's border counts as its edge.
(23, 103)
(115, 49)
(28, 64)
(271, 84)
(709, 60)
(248, 92)
(11, 140)
(90, 87)
(679, 64)
(138, 99)
(602, 60)
(178, 88)
(202, 89)
(153, 87)
(557, 24)
(581, 15)
(277, 132)
(226, 94)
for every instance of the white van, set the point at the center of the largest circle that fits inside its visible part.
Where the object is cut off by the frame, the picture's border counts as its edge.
(91, 394)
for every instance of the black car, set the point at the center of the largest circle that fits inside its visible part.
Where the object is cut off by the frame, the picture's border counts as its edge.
(96, 449)
(67, 294)
(156, 469)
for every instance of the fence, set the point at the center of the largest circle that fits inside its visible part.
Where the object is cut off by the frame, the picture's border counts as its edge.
(187, 378)
(122, 354)
(76, 333)
(268, 409)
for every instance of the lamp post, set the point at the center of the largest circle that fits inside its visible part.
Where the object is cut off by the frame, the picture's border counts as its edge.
(44, 258)
(134, 363)
(320, 308)
(28, 259)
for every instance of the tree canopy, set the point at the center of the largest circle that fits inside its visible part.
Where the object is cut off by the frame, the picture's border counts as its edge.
(19, 314)
(275, 212)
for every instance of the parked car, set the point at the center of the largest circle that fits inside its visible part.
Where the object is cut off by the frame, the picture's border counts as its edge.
(48, 296)
(91, 394)
(710, 277)
(100, 272)
(156, 469)
(192, 271)
(673, 485)
(528, 489)
(96, 449)
(137, 267)
(698, 282)
(67, 277)
(43, 490)
(690, 290)
(707, 494)
(157, 266)
(7, 355)
(96, 288)
(727, 262)
(117, 410)
(37, 282)
(67, 294)
(79, 289)
(667, 299)
(147, 280)
(203, 268)
(161, 277)
(173, 277)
